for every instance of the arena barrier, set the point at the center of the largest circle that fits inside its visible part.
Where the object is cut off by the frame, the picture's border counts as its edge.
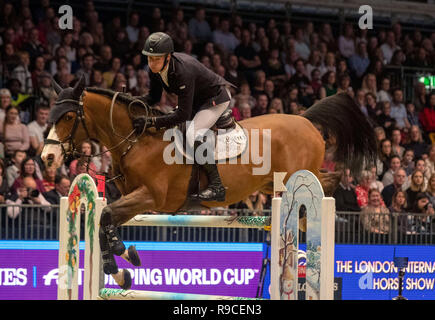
(302, 194)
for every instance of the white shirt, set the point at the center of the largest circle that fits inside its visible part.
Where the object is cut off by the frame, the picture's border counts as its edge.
(35, 130)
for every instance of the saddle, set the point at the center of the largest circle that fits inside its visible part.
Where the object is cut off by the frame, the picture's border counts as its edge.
(230, 138)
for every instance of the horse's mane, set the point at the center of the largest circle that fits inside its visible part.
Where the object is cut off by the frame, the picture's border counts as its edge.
(122, 97)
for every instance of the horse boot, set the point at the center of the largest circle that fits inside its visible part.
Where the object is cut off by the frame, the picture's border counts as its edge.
(109, 264)
(114, 240)
(215, 190)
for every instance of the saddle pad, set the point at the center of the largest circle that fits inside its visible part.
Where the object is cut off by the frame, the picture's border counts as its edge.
(229, 145)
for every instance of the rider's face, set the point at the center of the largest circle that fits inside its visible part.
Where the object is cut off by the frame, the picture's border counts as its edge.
(156, 63)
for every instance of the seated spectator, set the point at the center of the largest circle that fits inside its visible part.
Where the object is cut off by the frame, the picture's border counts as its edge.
(384, 155)
(398, 110)
(14, 134)
(430, 161)
(374, 109)
(4, 188)
(399, 181)
(199, 29)
(422, 205)
(37, 128)
(420, 96)
(299, 79)
(245, 95)
(359, 62)
(273, 66)
(384, 94)
(417, 186)
(375, 217)
(245, 111)
(5, 102)
(261, 105)
(427, 116)
(260, 79)
(48, 176)
(408, 162)
(369, 83)
(87, 150)
(28, 169)
(396, 138)
(314, 62)
(345, 196)
(399, 203)
(346, 41)
(61, 189)
(109, 75)
(374, 182)
(301, 47)
(412, 115)
(430, 190)
(249, 60)
(22, 73)
(394, 164)
(416, 142)
(344, 85)
(384, 119)
(316, 82)
(329, 87)
(142, 86)
(224, 37)
(389, 46)
(269, 89)
(362, 189)
(276, 105)
(13, 170)
(232, 73)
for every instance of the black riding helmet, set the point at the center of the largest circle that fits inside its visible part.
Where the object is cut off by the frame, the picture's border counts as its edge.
(158, 44)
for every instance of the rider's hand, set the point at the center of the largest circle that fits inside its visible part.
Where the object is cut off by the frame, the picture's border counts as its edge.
(140, 122)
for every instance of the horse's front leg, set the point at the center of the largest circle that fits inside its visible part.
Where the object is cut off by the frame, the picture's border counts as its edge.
(111, 243)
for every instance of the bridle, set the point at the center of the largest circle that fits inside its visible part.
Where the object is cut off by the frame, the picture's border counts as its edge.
(80, 119)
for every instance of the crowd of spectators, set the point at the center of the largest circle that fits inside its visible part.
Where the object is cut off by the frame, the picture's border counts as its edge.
(277, 67)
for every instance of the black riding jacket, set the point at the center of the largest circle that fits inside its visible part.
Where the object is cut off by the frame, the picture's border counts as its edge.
(196, 86)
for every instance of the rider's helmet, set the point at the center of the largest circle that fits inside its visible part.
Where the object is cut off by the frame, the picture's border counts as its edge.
(158, 44)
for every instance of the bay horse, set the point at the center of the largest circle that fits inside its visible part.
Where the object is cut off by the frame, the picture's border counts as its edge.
(147, 183)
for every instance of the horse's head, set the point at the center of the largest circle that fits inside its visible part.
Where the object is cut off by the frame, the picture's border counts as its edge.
(68, 126)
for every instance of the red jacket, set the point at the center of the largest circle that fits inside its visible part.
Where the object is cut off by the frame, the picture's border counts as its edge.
(427, 119)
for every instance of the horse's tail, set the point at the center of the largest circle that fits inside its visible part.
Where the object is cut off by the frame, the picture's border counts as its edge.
(346, 128)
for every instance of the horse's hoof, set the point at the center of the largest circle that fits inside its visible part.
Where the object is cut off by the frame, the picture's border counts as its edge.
(133, 257)
(118, 248)
(127, 280)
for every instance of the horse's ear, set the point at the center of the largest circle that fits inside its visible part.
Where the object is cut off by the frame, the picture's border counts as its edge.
(79, 87)
(56, 87)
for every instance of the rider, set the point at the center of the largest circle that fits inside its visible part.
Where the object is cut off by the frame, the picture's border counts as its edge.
(202, 98)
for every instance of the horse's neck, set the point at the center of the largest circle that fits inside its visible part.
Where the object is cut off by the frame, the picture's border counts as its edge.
(113, 133)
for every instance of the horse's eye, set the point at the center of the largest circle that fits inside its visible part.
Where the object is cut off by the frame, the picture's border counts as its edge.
(68, 117)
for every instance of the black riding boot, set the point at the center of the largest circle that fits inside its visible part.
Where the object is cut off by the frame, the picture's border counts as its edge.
(215, 190)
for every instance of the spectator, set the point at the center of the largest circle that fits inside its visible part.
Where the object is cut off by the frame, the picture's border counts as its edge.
(276, 105)
(48, 177)
(109, 75)
(132, 28)
(374, 109)
(37, 128)
(344, 85)
(316, 82)
(394, 164)
(359, 62)
(384, 94)
(384, 119)
(249, 61)
(245, 111)
(396, 138)
(399, 203)
(105, 58)
(328, 38)
(28, 169)
(14, 134)
(273, 66)
(417, 186)
(360, 99)
(199, 29)
(299, 79)
(224, 38)
(374, 217)
(261, 106)
(430, 190)
(98, 81)
(269, 89)
(301, 47)
(345, 196)
(362, 189)
(412, 115)
(5, 102)
(142, 86)
(245, 95)
(260, 79)
(399, 180)
(37, 69)
(389, 47)
(346, 42)
(420, 96)
(408, 161)
(122, 47)
(369, 83)
(398, 110)
(422, 205)
(329, 85)
(87, 150)
(427, 116)
(430, 161)
(330, 63)
(4, 188)
(61, 189)
(416, 142)
(87, 68)
(314, 62)
(22, 73)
